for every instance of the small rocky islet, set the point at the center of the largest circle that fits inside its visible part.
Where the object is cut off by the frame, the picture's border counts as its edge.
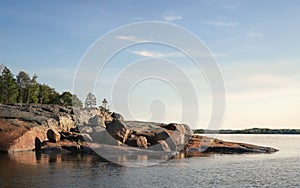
(57, 129)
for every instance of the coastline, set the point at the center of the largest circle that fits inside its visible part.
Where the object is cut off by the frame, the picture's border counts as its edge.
(26, 128)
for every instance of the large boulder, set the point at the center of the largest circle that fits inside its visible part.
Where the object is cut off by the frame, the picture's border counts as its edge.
(149, 135)
(118, 130)
(137, 141)
(117, 116)
(176, 135)
(101, 136)
(97, 134)
(161, 145)
(91, 117)
(167, 136)
(96, 121)
(181, 133)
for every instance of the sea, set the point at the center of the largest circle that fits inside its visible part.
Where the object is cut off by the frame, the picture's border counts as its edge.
(280, 169)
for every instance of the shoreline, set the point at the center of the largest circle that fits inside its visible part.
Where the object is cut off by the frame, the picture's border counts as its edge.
(58, 129)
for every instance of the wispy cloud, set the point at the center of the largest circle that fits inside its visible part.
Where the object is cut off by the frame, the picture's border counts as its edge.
(157, 54)
(226, 24)
(130, 38)
(169, 17)
(256, 35)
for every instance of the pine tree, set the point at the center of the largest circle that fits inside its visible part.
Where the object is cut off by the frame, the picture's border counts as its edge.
(33, 91)
(65, 99)
(90, 100)
(23, 82)
(44, 94)
(9, 88)
(76, 102)
(53, 97)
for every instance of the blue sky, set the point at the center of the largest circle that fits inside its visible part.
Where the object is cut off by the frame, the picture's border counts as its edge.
(255, 42)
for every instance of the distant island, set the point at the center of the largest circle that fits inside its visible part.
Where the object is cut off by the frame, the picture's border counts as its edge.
(248, 131)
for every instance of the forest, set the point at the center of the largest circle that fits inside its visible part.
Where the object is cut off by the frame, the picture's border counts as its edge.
(23, 88)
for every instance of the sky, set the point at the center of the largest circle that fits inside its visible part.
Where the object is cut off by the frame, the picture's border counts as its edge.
(256, 44)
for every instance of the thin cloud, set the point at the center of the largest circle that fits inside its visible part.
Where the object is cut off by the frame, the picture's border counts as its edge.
(225, 24)
(156, 54)
(169, 17)
(130, 38)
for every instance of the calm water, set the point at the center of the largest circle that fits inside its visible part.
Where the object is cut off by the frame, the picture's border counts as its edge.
(281, 169)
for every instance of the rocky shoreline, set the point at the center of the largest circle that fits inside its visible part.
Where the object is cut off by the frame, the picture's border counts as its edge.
(56, 129)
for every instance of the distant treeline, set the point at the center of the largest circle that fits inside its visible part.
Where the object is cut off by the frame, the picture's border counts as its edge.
(26, 89)
(249, 131)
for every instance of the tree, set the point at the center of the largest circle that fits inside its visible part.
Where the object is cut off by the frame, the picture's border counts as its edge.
(44, 94)
(53, 97)
(90, 100)
(65, 99)
(23, 81)
(33, 90)
(76, 101)
(8, 87)
(28, 88)
(1, 67)
(104, 107)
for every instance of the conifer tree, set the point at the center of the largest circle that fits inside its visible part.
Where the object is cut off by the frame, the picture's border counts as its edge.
(90, 100)
(9, 89)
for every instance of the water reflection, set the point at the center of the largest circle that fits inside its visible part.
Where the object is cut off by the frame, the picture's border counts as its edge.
(35, 158)
(44, 170)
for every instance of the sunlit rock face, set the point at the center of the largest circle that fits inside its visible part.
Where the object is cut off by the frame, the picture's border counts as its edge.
(21, 124)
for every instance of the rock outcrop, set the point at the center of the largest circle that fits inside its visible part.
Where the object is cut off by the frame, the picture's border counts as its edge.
(22, 124)
(56, 129)
(17, 135)
(118, 130)
(201, 145)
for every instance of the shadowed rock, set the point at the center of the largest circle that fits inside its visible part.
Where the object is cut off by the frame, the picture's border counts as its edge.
(118, 130)
(53, 136)
(161, 145)
(137, 141)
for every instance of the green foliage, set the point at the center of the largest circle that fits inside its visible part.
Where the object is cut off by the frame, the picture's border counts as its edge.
(33, 90)
(45, 93)
(23, 82)
(65, 99)
(104, 107)
(76, 102)
(54, 97)
(9, 89)
(28, 88)
(24, 89)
